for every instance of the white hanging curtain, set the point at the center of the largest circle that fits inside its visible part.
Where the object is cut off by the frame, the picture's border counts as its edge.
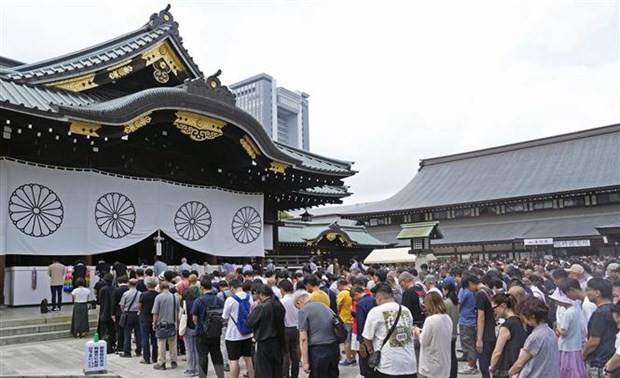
(62, 211)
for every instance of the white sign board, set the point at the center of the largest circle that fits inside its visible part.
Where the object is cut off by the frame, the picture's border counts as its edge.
(544, 241)
(571, 243)
(96, 359)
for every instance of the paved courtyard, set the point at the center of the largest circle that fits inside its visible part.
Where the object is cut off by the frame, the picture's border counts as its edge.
(65, 357)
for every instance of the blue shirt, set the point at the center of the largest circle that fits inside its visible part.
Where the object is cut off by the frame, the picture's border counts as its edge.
(362, 309)
(467, 312)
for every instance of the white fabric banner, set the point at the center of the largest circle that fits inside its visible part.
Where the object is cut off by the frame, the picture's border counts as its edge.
(62, 211)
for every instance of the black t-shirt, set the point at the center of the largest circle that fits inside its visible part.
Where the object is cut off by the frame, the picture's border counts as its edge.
(411, 300)
(102, 268)
(483, 302)
(147, 299)
(518, 334)
(602, 325)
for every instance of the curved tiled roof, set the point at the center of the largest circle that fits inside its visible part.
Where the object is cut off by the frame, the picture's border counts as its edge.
(564, 163)
(108, 53)
(41, 98)
(316, 162)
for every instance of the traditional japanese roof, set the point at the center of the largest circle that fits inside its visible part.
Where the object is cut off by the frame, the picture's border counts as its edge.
(560, 164)
(566, 224)
(303, 233)
(158, 38)
(172, 121)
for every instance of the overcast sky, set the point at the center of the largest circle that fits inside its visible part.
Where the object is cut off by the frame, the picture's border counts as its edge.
(390, 82)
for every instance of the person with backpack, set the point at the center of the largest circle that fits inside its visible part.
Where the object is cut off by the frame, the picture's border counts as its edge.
(267, 321)
(207, 315)
(238, 337)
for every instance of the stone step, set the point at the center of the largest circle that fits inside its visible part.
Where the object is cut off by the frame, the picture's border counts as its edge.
(25, 330)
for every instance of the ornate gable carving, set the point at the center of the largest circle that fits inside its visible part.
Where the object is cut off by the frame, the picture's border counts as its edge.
(211, 87)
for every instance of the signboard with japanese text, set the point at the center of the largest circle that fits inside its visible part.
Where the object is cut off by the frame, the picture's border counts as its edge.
(96, 359)
(571, 243)
(542, 241)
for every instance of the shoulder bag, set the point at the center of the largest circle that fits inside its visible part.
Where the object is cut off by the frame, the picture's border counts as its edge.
(183, 319)
(122, 319)
(375, 358)
(165, 329)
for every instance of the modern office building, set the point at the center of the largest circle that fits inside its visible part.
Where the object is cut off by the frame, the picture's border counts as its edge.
(282, 112)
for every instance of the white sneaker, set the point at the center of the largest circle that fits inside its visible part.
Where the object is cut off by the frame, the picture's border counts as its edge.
(469, 370)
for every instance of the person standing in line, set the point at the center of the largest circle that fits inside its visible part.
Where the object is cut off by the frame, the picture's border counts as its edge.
(539, 356)
(267, 321)
(319, 348)
(448, 286)
(364, 302)
(512, 335)
(121, 288)
(344, 304)
(146, 302)
(105, 300)
(56, 271)
(612, 366)
(79, 320)
(129, 305)
(313, 287)
(189, 338)
(159, 267)
(207, 344)
(79, 271)
(571, 332)
(435, 338)
(119, 269)
(140, 285)
(599, 346)
(467, 325)
(184, 266)
(485, 322)
(397, 352)
(237, 345)
(165, 310)
(291, 319)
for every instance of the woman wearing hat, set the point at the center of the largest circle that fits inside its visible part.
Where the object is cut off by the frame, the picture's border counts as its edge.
(571, 332)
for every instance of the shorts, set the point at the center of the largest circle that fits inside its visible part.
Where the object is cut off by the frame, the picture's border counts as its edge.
(348, 327)
(468, 341)
(238, 349)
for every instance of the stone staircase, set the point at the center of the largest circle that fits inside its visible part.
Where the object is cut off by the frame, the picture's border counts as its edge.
(42, 328)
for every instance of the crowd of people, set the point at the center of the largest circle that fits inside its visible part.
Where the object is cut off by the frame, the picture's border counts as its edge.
(526, 318)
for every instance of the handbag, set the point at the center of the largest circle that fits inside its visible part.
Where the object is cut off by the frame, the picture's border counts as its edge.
(122, 320)
(165, 329)
(183, 319)
(375, 358)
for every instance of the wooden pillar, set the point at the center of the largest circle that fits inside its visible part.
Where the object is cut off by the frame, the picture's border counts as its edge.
(456, 254)
(514, 252)
(2, 268)
(483, 252)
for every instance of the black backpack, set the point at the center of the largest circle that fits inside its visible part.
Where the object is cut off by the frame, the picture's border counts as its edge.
(213, 322)
(44, 306)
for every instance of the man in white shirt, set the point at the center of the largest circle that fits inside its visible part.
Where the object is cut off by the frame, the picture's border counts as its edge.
(291, 318)
(237, 344)
(398, 353)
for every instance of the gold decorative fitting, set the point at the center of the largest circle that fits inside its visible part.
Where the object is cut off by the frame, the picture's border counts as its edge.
(76, 84)
(137, 124)
(248, 145)
(169, 58)
(331, 236)
(120, 72)
(278, 167)
(84, 128)
(199, 127)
